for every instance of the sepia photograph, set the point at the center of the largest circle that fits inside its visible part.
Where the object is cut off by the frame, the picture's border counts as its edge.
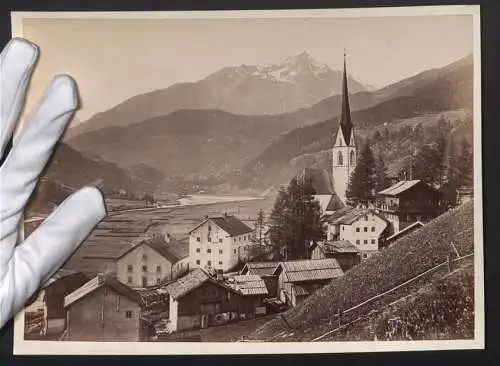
(286, 181)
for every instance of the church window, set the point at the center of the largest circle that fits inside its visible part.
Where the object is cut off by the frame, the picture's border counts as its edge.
(340, 160)
(351, 158)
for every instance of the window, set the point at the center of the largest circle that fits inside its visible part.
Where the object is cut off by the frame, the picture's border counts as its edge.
(144, 281)
(198, 261)
(158, 269)
(198, 239)
(130, 268)
(144, 257)
(373, 229)
(365, 255)
(366, 229)
(373, 241)
(220, 240)
(209, 239)
(365, 241)
(209, 227)
(357, 241)
(220, 263)
(220, 251)
(343, 227)
(129, 280)
(128, 314)
(357, 229)
(158, 281)
(234, 251)
(209, 250)
(209, 263)
(144, 268)
(351, 158)
(197, 250)
(340, 160)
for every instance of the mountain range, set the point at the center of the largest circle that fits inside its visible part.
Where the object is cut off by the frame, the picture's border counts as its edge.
(298, 82)
(256, 151)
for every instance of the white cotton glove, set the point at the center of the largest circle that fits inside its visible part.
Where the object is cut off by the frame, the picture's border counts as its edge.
(25, 267)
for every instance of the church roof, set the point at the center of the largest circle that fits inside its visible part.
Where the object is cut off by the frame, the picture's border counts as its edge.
(345, 116)
(320, 179)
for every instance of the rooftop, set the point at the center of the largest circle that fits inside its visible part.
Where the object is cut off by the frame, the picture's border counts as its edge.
(399, 187)
(173, 250)
(100, 281)
(260, 268)
(339, 246)
(248, 284)
(406, 229)
(229, 223)
(311, 269)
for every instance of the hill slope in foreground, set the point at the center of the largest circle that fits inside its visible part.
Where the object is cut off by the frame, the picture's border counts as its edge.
(411, 256)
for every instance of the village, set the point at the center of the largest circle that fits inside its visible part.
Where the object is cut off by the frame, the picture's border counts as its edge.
(222, 271)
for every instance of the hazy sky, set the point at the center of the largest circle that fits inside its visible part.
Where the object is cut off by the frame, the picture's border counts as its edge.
(112, 60)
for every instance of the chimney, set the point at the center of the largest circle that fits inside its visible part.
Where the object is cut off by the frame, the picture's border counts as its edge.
(219, 275)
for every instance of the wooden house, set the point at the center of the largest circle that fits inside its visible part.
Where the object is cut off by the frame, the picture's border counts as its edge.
(298, 279)
(153, 261)
(265, 271)
(55, 290)
(201, 300)
(104, 309)
(409, 201)
(347, 254)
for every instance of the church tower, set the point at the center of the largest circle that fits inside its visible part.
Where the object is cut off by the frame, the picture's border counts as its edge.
(344, 148)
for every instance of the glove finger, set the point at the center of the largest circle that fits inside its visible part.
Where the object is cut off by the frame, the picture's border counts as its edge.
(37, 258)
(28, 157)
(17, 62)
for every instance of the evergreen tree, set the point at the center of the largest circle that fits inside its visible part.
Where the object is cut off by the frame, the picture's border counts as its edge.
(278, 224)
(452, 179)
(381, 179)
(295, 221)
(361, 187)
(465, 166)
(258, 236)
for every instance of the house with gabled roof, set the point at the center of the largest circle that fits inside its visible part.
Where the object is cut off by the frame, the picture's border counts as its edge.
(346, 253)
(409, 201)
(153, 261)
(202, 299)
(299, 278)
(362, 227)
(219, 242)
(104, 309)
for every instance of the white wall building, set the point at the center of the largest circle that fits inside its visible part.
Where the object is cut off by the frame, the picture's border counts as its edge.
(361, 227)
(219, 242)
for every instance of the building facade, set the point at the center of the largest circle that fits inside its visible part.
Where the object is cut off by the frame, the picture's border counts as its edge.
(363, 228)
(344, 151)
(409, 201)
(219, 242)
(347, 254)
(103, 310)
(153, 261)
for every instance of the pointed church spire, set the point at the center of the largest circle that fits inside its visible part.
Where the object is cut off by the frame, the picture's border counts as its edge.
(345, 117)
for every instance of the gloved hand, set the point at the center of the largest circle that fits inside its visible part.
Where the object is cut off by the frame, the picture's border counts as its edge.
(23, 268)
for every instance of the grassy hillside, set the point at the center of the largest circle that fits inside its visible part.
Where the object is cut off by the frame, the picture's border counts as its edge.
(441, 310)
(407, 258)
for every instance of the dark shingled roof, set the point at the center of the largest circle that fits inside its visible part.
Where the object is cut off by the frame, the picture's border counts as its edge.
(310, 269)
(173, 251)
(260, 268)
(229, 223)
(99, 281)
(338, 246)
(191, 281)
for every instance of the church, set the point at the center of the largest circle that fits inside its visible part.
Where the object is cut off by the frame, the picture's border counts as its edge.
(331, 189)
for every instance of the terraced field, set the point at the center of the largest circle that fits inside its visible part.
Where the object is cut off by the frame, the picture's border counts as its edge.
(120, 231)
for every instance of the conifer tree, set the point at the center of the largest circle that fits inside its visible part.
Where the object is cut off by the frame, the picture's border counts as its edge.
(361, 187)
(381, 179)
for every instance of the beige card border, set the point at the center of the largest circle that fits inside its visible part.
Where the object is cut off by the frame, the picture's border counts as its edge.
(23, 347)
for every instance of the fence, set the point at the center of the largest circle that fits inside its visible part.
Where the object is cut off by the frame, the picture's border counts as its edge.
(344, 321)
